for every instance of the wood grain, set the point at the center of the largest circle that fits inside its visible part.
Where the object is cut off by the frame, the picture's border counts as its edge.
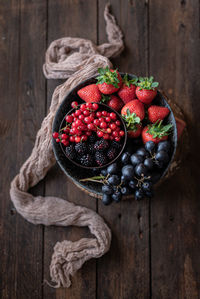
(124, 271)
(31, 111)
(9, 28)
(70, 19)
(175, 225)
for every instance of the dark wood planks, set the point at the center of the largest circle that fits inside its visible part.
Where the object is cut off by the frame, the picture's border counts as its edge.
(124, 271)
(78, 19)
(175, 225)
(31, 111)
(23, 107)
(9, 68)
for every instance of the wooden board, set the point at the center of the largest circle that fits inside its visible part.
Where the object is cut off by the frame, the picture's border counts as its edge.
(175, 225)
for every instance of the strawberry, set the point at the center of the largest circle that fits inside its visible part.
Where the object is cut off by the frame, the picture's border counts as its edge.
(156, 132)
(135, 133)
(133, 124)
(180, 124)
(146, 90)
(109, 81)
(157, 113)
(136, 107)
(90, 93)
(127, 91)
(113, 102)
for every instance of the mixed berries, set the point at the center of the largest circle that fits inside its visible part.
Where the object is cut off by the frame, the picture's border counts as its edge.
(88, 134)
(93, 137)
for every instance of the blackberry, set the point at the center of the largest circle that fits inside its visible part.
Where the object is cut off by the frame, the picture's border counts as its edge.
(111, 153)
(101, 145)
(92, 138)
(86, 160)
(70, 152)
(100, 158)
(81, 148)
(91, 148)
(116, 145)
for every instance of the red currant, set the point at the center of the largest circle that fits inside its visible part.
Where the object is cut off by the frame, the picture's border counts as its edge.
(81, 117)
(117, 139)
(69, 118)
(113, 115)
(121, 133)
(82, 107)
(96, 122)
(55, 134)
(95, 106)
(113, 126)
(115, 134)
(86, 112)
(74, 104)
(106, 136)
(111, 137)
(84, 138)
(78, 122)
(91, 127)
(104, 113)
(72, 138)
(66, 130)
(78, 112)
(107, 119)
(109, 130)
(87, 120)
(57, 140)
(103, 125)
(77, 139)
(64, 136)
(118, 123)
(98, 114)
(99, 134)
(101, 119)
(89, 105)
(65, 142)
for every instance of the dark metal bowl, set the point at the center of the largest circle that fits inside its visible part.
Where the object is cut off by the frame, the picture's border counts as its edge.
(124, 139)
(74, 172)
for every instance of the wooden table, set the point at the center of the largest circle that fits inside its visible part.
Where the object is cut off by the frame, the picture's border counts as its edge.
(155, 246)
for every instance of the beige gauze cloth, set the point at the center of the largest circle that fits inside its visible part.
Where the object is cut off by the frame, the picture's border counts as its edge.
(76, 59)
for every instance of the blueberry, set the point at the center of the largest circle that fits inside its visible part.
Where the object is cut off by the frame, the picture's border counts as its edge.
(140, 170)
(106, 189)
(106, 199)
(139, 194)
(133, 184)
(162, 156)
(142, 152)
(117, 196)
(114, 180)
(148, 162)
(150, 146)
(147, 186)
(125, 190)
(125, 158)
(104, 172)
(128, 172)
(112, 169)
(164, 146)
(136, 159)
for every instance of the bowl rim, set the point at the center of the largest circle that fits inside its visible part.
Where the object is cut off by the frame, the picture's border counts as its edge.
(120, 152)
(84, 186)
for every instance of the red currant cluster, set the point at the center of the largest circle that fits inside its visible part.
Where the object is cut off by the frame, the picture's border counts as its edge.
(85, 120)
